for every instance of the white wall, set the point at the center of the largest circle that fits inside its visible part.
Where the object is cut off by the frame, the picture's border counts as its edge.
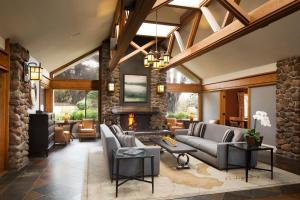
(264, 99)
(2, 43)
(211, 106)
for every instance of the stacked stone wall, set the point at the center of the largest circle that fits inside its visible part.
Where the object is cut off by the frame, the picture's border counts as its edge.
(288, 107)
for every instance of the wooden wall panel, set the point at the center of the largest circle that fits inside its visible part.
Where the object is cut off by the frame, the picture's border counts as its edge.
(194, 88)
(258, 80)
(49, 100)
(75, 84)
(4, 60)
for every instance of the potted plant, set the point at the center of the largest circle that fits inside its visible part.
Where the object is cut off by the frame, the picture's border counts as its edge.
(253, 137)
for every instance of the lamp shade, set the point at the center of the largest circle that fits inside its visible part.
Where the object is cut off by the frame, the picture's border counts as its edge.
(160, 89)
(146, 63)
(111, 87)
(155, 64)
(166, 58)
(35, 73)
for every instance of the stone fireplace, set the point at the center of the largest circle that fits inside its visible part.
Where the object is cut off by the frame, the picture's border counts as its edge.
(148, 116)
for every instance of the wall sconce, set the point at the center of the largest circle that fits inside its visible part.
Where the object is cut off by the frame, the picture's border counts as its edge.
(160, 89)
(110, 86)
(34, 71)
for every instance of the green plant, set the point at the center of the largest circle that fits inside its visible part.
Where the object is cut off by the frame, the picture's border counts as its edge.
(253, 133)
(171, 115)
(77, 115)
(80, 105)
(181, 115)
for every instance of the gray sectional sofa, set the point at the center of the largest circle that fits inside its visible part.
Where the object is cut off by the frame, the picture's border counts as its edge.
(128, 167)
(212, 150)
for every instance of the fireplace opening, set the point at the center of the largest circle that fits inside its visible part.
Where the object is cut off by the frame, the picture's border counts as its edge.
(131, 122)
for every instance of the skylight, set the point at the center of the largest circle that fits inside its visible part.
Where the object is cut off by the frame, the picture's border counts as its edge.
(148, 29)
(185, 3)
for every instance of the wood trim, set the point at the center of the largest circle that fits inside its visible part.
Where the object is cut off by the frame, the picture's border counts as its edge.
(194, 29)
(116, 19)
(135, 19)
(173, 87)
(162, 23)
(249, 109)
(200, 107)
(4, 60)
(222, 107)
(210, 19)
(55, 71)
(228, 19)
(49, 100)
(75, 84)
(140, 49)
(257, 80)
(261, 16)
(236, 10)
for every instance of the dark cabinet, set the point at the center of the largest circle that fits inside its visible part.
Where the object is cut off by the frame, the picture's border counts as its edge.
(41, 133)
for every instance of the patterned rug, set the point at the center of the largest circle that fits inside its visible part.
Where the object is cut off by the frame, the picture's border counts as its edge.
(171, 183)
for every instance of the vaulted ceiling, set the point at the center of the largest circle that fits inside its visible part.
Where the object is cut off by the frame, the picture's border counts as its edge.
(57, 31)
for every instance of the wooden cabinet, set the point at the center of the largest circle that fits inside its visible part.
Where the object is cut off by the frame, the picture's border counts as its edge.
(41, 133)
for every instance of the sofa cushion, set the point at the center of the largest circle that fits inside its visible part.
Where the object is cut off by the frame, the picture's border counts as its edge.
(228, 135)
(87, 130)
(126, 140)
(238, 135)
(183, 138)
(117, 129)
(198, 130)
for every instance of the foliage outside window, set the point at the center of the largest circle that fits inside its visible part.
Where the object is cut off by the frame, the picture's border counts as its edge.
(86, 69)
(180, 105)
(78, 104)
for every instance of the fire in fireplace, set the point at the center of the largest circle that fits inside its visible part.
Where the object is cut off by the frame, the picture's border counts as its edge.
(131, 121)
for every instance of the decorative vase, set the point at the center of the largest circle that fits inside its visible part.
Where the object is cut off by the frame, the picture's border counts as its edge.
(251, 141)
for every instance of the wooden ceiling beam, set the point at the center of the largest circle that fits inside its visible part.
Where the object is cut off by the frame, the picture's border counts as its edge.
(138, 50)
(179, 41)
(116, 19)
(210, 19)
(160, 3)
(136, 46)
(194, 29)
(229, 16)
(171, 44)
(265, 14)
(236, 10)
(135, 19)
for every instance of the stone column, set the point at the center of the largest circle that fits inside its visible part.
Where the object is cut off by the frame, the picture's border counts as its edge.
(158, 121)
(109, 100)
(19, 104)
(288, 107)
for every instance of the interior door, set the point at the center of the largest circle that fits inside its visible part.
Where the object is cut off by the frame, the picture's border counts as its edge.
(223, 107)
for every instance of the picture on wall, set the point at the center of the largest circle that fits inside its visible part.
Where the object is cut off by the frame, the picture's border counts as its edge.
(135, 88)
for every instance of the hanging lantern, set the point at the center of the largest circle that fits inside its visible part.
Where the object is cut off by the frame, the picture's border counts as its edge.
(161, 62)
(146, 63)
(150, 57)
(166, 58)
(160, 89)
(155, 64)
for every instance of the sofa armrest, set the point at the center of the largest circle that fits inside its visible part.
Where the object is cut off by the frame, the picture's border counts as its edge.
(235, 156)
(181, 131)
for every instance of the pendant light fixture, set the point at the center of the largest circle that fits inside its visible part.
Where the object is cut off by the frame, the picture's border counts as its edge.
(156, 59)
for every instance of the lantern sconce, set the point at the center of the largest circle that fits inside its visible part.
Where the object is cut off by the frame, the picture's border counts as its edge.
(34, 71)
(110, 86)
(160, 89)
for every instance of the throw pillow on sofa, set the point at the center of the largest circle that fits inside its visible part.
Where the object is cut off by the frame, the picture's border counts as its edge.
(238, 136)
(228, 135)
(199, 129)
(126, 140)
(191, 128)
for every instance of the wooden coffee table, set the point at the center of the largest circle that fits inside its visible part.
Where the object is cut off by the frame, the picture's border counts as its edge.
(180, 151)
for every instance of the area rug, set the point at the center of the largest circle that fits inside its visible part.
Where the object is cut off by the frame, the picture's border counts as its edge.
(171, 183)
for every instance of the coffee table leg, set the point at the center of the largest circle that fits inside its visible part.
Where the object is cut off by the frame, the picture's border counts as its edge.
(152, 173)
(184, 165)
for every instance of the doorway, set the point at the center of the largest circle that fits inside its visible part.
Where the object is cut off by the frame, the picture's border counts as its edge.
(234, 107)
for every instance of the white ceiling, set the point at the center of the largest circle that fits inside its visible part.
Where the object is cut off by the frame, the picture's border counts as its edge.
(56, 31)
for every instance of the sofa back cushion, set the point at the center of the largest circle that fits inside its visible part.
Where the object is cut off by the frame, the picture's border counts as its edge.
(117, 129)
(196, 129)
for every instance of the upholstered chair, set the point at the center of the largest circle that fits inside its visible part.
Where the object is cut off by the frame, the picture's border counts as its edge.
(61, 136)
(87, 129)
(173, 124)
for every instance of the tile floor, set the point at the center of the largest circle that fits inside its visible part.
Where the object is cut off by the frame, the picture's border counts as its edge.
(60, 177)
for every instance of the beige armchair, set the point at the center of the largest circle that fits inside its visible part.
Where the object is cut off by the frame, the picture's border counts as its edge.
(87, 129)
(61, 136)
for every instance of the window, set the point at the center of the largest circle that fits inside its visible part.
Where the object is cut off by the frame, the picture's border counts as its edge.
(78, 104)
(175, 76)
(85, 69)
(181, 105)
(148, 29)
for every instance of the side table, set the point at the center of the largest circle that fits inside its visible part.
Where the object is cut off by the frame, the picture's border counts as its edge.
(119, 155)
(248, 154)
